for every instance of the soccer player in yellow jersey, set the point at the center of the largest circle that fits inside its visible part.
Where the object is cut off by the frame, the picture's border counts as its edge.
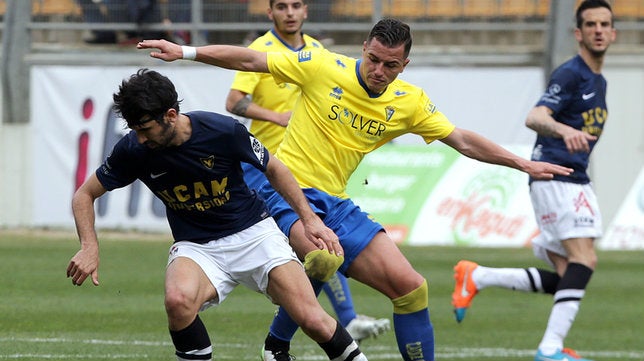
(348, 108)
(257, 96)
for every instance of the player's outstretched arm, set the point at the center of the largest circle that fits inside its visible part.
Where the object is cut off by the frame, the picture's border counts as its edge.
(482, 149)
(84, 264)
(223, 56)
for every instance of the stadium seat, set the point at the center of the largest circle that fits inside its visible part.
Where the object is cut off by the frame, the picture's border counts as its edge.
(543, 8)
(445, 9)
(627, 9)
(49, 8)
(409, 9)
(257, 7)
(519, 9)
(481, 8)
(352, 8)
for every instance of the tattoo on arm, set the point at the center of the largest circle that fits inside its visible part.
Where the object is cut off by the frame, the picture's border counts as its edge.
(241, 107)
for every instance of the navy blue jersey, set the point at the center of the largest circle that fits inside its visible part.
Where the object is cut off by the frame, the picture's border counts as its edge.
(577, 97)
(200, 182)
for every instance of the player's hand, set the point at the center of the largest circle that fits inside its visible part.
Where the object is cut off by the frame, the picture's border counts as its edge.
(577, 141)
(322, 236)
(546, 171)
(84, 264)
(283, 118)
(167, 51)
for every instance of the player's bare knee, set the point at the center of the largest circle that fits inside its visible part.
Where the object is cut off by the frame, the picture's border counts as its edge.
(177, 304)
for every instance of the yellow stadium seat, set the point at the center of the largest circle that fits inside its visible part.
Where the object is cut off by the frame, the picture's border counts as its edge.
(352, 8)
(257, 7)
(627, 9)
(481, 8)
(518, 8)
(405, 9)
(55, 7)
(444, 9)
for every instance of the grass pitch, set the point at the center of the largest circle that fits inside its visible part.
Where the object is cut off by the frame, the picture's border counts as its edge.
(44, 317)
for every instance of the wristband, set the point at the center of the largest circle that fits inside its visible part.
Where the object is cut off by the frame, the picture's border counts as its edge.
(189, 52)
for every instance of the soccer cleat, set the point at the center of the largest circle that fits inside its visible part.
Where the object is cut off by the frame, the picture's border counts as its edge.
(560, 355)
(278, 355)
(464, 289)
(363, 327)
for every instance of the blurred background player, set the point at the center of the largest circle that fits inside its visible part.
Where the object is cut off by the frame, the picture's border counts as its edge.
(257, 96)
(568, 119)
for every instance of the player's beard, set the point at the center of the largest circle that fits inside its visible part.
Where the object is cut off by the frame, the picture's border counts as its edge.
(166, 137)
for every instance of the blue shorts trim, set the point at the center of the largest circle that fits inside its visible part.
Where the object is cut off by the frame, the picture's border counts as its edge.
(353, 226)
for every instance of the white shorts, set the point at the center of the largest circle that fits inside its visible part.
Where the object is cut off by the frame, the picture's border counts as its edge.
(563, 210)
(243, 258)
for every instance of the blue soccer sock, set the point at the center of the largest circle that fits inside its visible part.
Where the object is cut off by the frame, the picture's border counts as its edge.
(339, 294)
(283, 327)
(415, 335)
(414, 330)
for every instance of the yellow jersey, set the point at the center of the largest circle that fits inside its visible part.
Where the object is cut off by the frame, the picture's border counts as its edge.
(337, 120)
(266, 92)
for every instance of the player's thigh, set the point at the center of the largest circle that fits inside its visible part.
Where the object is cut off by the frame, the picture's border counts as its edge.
(185, 279)
(298, 241)
(384, 267)
(289, 287)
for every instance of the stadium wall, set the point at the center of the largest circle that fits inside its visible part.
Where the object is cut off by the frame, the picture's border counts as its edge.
(72, 128)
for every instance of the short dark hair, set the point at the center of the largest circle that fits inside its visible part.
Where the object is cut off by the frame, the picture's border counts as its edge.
(591, 4)
(391, 33)
(272, 2)
(145, 94)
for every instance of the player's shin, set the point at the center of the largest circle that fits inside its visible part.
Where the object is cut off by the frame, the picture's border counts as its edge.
(413, 328)
(342, 346)
(193, 342)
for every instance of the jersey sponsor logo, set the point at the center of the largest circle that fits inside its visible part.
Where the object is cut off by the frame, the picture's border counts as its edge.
(594, 120)
(400, 93)
(367, 128)
(303, 56)
(336, 93)
(339, 63)
(258, 148)
(197, 196)
(587, 96)
(208, 162)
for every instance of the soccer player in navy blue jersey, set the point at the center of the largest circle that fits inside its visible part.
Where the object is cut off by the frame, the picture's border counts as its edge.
(568, 119)
(223, 233)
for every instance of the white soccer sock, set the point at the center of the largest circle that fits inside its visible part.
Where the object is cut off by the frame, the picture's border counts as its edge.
(561, 318)
(511, 278)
